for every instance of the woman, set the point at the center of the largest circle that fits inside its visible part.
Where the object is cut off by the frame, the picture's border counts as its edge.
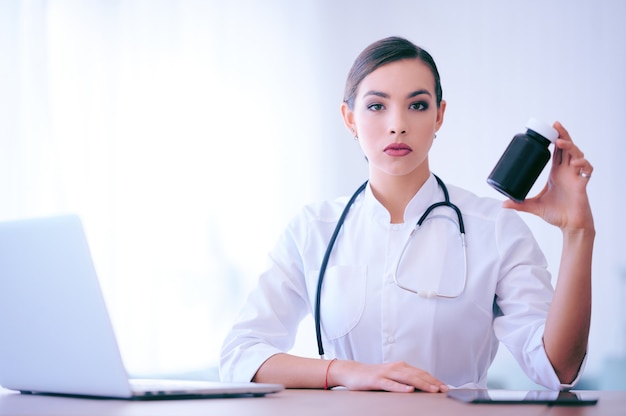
(382, 336)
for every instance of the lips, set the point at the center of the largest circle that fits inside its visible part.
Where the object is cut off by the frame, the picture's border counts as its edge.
(397, 150)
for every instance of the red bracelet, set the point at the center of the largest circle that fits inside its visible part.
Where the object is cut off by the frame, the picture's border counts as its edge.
(327, 370)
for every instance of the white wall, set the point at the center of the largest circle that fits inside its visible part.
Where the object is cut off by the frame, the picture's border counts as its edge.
(187, 131)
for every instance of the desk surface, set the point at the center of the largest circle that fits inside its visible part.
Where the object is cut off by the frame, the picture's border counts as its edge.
(299, 402)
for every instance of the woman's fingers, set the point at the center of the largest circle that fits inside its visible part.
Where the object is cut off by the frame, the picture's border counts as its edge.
(395, 377)
(424, 381)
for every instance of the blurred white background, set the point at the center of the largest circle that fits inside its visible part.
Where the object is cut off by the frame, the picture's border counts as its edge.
(187, 133)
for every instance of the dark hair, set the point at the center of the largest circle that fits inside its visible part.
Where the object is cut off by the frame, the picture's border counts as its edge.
(382, 52)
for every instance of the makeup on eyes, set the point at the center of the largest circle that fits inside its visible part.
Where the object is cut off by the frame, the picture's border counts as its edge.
(376, 105)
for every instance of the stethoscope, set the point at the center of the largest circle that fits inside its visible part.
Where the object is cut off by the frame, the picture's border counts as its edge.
(425, 294)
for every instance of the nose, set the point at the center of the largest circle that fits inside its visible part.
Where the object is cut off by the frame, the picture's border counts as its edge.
(397, 125)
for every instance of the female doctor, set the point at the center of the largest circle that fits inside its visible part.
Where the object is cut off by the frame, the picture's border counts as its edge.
(400, 309)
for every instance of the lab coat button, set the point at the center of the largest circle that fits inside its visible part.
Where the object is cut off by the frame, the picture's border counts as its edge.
(390, 340)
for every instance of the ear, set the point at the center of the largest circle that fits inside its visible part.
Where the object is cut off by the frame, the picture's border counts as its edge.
(440, 113)
(348, 118)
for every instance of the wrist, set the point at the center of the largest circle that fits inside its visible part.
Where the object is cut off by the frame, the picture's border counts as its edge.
(327, 382)
(339, 372)
(579, 234)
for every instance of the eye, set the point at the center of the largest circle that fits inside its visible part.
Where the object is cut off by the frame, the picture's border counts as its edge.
(375, 107)
(419, 106)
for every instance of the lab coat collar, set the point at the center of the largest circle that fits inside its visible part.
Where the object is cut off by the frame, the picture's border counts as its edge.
(425, 196)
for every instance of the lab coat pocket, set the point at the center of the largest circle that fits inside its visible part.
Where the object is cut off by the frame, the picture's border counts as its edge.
(343, 299)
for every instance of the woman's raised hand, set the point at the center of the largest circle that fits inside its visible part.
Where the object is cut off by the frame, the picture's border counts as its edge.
(563, 201)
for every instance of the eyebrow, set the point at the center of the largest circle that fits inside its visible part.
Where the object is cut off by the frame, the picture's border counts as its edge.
(385, 95)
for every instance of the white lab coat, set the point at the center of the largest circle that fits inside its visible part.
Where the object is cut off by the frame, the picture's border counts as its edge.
(366, 317)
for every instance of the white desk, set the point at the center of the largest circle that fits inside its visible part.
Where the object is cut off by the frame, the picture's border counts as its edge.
(300, 403)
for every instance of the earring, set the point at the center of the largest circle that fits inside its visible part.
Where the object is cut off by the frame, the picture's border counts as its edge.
(435, 136)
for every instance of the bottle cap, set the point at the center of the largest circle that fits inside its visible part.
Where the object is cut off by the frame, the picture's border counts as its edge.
(543, 129)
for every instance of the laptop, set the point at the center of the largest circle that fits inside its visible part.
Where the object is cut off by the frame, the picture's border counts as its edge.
(56, 334)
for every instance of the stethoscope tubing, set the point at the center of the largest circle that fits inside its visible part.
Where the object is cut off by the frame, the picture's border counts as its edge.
(318, 296)
(320, 279)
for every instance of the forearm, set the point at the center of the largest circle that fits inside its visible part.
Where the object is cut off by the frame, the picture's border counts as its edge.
(567, 325)
(311, 373)
(293, 372)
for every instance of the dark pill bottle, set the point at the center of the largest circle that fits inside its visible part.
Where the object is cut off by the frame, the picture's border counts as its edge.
(523, 160)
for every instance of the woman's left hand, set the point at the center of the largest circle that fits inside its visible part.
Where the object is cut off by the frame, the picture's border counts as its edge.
(563, 202)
